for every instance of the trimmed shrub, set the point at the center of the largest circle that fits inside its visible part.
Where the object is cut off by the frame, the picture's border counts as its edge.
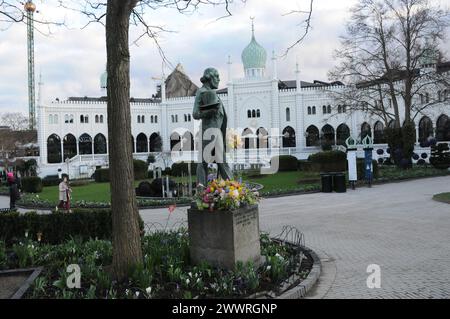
(361, 168)
(32, 184)
(307, 166)
(140, 169)
(51, 180)
(287, 163)
(182, 168)
(57, 227)
(101, 175)
(330, 161)
(440, 156)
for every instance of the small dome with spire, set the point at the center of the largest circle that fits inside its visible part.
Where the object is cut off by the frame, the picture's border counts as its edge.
(254, 55)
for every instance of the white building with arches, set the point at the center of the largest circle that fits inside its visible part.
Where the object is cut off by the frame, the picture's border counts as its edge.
(283, 117)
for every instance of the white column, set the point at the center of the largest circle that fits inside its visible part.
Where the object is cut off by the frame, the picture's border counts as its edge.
(274, 66)
(299, 107)
(230, 75)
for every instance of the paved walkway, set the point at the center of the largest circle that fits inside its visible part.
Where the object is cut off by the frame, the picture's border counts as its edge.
(396, 226)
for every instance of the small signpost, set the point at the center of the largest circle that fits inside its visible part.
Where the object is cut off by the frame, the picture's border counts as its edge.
(352, 147)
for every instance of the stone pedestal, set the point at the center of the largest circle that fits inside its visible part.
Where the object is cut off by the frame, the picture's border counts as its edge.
(223, 238)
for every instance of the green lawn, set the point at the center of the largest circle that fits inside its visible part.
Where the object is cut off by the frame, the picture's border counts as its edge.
(92, 192)
(281, 182)
(443, 197)
(287, 181)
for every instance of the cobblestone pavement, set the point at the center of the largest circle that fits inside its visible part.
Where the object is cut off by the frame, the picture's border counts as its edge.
(396, 226)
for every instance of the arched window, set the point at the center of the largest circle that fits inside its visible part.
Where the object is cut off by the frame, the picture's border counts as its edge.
(54, 149)
(69, 146)
(378, 132)
(329, 109)
(66, 118)
(71, 118)
(185, 118)
(328, 134)
(249, 113)
(288, 114)
(151, 119)
(175, 142)
(143, 119)
(139, 119)
(309, 110)
(339, 109)
(85, 144)
(55, 119)
(365, 130)
(258, 113)
(155, 143)
(156, 119)
(50, 119)
(324, 109)
(253, 113)
(100, 146)
(249, 138)
(189, 118)
(188, 141)
(81, 118)
(313, 110)
(342, 134)
(425, 129)
(101, 118)
(262, 138)
(443, 128)
(96, 118)
(141, 143)
(289, 137)
(86, 119)
(312, 136)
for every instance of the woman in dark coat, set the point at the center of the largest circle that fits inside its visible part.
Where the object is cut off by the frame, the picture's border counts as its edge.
(13, 192)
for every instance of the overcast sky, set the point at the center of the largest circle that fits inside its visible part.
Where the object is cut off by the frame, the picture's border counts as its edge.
(71, 60)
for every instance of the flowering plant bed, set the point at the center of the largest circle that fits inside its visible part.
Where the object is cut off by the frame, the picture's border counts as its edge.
(225, 195)
(166, 271)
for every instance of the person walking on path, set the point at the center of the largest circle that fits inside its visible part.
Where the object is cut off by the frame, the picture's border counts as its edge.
(14, 194)
(64, 194)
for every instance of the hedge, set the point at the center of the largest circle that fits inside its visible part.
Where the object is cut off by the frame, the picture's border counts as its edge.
(182, 168)
(101, 175)
(32, 184)
(57, 227)
(286, 163)
(330, 161)
(140, 168)
(51, 180)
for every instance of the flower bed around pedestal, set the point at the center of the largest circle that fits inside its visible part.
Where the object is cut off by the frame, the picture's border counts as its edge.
(166, 271)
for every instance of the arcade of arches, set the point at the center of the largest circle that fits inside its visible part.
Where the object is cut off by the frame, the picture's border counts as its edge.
(59, 149)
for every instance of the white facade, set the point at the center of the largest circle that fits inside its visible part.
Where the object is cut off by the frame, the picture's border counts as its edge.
(251, 103)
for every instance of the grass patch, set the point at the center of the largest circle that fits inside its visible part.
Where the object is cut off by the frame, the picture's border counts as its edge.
(443, 197)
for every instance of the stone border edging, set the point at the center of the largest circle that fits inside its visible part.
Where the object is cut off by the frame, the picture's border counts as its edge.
(35, 272)
(305, 286)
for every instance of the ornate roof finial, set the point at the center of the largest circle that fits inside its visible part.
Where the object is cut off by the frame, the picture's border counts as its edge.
(253, 26)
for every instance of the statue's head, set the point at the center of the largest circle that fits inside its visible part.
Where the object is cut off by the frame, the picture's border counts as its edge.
(211, 78)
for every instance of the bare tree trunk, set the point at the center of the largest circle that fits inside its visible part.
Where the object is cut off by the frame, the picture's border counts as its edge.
(127, 250)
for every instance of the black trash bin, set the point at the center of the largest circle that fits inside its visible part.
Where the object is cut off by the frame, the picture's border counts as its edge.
(339, 183)
(327, 183)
